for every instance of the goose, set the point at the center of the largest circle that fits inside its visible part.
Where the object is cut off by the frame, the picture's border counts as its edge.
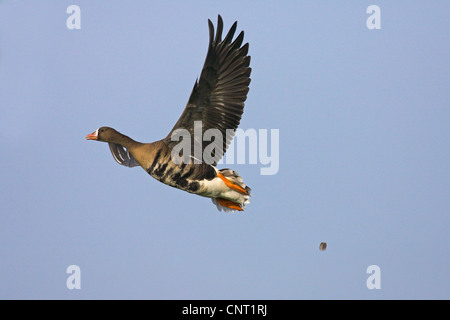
(216, 103)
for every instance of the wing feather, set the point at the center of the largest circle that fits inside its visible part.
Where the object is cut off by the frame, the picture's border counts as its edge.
(219, 95)
(122, 157)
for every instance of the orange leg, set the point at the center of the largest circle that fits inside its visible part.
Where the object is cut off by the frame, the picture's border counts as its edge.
(231, 184)
(229, 204)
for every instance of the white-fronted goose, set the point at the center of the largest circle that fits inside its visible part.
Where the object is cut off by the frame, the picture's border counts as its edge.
(216, 102)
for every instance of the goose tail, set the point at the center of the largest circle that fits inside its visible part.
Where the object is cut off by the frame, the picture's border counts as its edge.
(242, 192)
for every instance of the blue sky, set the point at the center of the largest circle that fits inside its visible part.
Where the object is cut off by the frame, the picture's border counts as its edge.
(363, 119)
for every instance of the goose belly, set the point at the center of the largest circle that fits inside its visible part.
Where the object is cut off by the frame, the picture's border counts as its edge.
(187, 177)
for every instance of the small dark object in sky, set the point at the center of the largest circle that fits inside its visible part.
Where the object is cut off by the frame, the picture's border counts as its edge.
(323, 246)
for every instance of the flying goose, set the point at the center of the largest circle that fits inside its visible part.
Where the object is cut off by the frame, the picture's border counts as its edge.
(216, 102)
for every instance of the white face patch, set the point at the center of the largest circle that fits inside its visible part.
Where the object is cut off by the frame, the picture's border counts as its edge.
(96, 132)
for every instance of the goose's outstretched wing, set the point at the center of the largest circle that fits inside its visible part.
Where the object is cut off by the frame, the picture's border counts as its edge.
(217, 99)
(122, 156)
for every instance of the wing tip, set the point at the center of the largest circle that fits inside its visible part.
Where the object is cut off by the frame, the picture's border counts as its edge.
(219, 29)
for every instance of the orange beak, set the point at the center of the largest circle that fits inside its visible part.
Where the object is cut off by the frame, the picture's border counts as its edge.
(92, 136)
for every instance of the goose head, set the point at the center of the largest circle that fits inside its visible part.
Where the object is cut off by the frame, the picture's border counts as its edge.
(105, 134)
